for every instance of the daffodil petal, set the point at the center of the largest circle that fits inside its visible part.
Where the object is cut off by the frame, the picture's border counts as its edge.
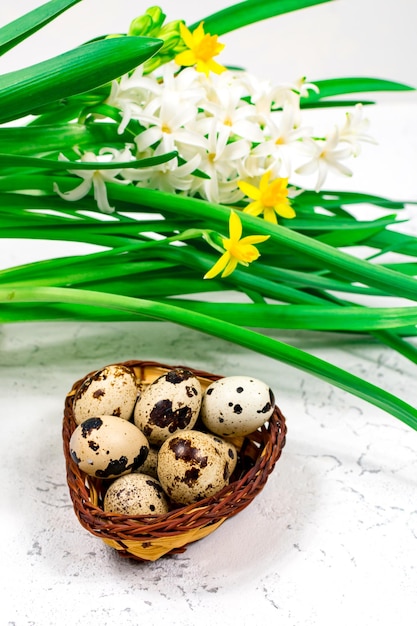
(202, 66)
(218, 266)
(249, 190)
(235, 226)
(254, 208)
(253, 239)
(265, 181)
(216, 67)
(185, 58)
(198, 34)
(270, 215)
(186, 35)
(230, 267)
(285, 210)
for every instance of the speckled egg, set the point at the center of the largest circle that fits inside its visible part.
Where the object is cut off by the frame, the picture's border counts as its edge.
(150, 466)
(236, 405)
(191, 467)
(136, 494)
(229, 452)
(108, 446)
(110, 391)
(170, 404)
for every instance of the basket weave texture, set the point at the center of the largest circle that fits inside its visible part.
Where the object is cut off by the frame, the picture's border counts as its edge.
(147, 538)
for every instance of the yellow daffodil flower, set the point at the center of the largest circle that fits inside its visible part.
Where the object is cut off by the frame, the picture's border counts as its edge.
(270, 198)
(237, 250)
(202, 47)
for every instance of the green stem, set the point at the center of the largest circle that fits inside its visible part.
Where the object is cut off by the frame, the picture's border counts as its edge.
(388, 281)
(227, 331)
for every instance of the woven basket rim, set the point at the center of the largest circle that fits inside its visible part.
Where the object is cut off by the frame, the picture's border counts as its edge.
(267, 442)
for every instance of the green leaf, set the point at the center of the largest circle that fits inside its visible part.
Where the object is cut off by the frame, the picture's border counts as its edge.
(295, 316)
(342, 86)
(335, 199)
(18, 30)
(249, 12)
(10, 160)
(229, 332)
(73, 72)
(325, 104)
(32, 140)
(346, 266)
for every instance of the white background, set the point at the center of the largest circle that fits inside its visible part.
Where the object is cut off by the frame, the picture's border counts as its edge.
(340, 38)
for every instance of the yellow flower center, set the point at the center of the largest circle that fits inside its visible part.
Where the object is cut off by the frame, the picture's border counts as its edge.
(201, 48)
(207, 48)
(269, 198)
(241, 251)
(274, 194)
(166, 129)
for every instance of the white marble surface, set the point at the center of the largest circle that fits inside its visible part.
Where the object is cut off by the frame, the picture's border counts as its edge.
(331, 539)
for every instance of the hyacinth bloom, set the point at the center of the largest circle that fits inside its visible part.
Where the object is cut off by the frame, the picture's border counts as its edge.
(269, 199)
(202, 47)
(326, 156)
(237, 250)
(96, 179)
(238, 125)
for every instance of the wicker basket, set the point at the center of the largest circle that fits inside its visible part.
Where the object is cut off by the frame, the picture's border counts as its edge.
(147, 538)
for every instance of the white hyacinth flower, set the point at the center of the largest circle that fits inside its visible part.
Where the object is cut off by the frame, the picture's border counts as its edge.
(219, 161)
(355, 129)
(237, 116)
(326, 155)
(131, 94)
(169, 177)
(97, 179)
(283, 135)
(167, 125)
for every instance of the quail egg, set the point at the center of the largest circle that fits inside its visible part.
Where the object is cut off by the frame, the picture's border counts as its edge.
(236, 405)
(110, 391)
(150, 466)
(136, 494)
(191, 467)
(108, 446)
(170, 404)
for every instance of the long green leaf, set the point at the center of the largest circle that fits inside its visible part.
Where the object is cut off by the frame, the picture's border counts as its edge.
(249, 12)
(350, 267)
(23, 27)
(33, 140)
(228, 332)
(295, 316)
(11, 160)
(356, 84)
(73, 72)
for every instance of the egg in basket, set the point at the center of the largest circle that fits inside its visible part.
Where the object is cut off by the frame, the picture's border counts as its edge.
(159, 456)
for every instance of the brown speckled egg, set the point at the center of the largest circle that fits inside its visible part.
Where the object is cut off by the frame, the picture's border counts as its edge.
(150, 466)
(110, 391)
(135, 494)
(170, 404)
(228, 450)
(191, 467)
(108, 446)
(236, 405)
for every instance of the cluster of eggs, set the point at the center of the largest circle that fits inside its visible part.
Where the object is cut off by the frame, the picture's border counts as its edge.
(166, 444)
